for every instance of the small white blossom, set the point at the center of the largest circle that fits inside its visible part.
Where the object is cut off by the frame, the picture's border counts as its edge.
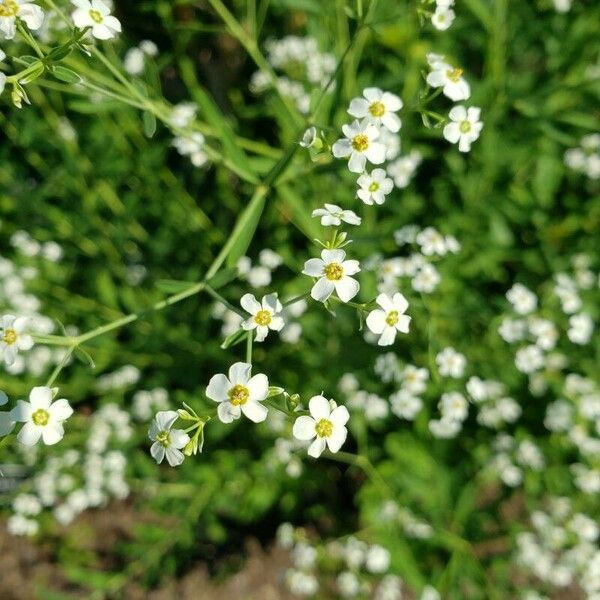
(431, 242)
(11, 10)
(454, 406)
(42, 417)
(529, 359)
(580, 329)
(326, 423)
(192, 145)
(265, 315)
(13, 337)
(444, 428)
(359, 145)
(405, 405)
(447, 77)
(95, 14)
(522, 299)
(426, 280)
(374, 187)
(167, 441)
(333, 215)
(414, 379)
(403, 169)
(390, 319)
(378, 107)
(442, 18)
(451, 363)
(239, 393)
(464, 127)
(334, 274)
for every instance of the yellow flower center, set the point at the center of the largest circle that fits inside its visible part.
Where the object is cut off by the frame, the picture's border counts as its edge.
(8, 8)
(360, 142)
(333, 271)
(238, 395)
(163, 438)
(96, 16)
(392, 318)
(454, 75)
(40, 417)
(377, 109)
(9, 336)
(374, 187)
(324, 428)
(263, 317)
(465, 127)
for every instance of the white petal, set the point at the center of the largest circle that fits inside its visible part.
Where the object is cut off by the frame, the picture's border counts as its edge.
(21, 412)
(359, 107)
(228, 412)
(333, 256)
(319, 408)
(174, 456)
(322, 289)
(3, 399)
(376, 153)
(277, 323)
(258, 387)
(388, 336)
(165, 419)
(21, 323)
(400, 302)
(376, 321)
(255, 411)
(261, 333)
(452, 132)
(60, 410)
(341, 148)
(52, 434)
(316, 448)
(347, 288)
(272, 304)
(392, 122)
(403, 324)
(337, 438)
(6, 423)
(304, 428)
(458, 113)
(357, 162)
(351, 267)
(24, 342)
(313, 267)
(102, 32)
(158, 452)
(29, 434)
(239, 372)
(179, 438)
(250, 303)
(40, 397)
(339, 416)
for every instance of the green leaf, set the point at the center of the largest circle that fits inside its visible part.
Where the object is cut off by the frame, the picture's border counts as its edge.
(60, 52)
(149, 121)
(37, 70)
(63, 74)
(173, 286)
(234, 339)
(222, 278)
(84, 357)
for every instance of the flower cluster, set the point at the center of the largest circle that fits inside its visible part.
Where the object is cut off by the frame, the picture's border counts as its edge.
(586, 157)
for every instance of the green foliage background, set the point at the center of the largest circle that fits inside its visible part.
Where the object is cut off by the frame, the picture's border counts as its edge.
(112, 197)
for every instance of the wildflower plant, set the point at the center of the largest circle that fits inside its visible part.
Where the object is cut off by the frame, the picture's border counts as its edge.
(346, 271)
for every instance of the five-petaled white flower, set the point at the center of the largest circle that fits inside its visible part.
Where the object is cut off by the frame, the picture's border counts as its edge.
(11, 10)
(239, 393)
(447, 77)
(167, 441)
(334, 215)
(359, 145)
(95, 14)
(265, 315)
(464, 127)
(442, 18)
(378, 107)
(334, 274)
(389, 319)
(374, 187)
(326, 423)
(13, 337)
(451, 363)
(42, 417)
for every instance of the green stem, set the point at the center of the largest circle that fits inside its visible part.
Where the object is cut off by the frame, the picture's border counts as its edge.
(249, 339)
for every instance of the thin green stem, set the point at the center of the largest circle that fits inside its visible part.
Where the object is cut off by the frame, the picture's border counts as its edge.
(249, 340)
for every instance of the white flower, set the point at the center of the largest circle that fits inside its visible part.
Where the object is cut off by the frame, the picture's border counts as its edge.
(374, 187)
(183, 114)
(391, 319)
(309, 137)
(326, 423)
(167, 441)
(414, 379)
(451, 363)
(334, 274)
(529, 359)
(239, 393)
(426, 280)
(334, 215)
(512, 330)
(522, 299)
(464, 128)
(269, 258)
(442, 18)
(42, 417)
(402, 170)
(580, 328)
(378, 559)
(377, 107)
(359, 146)
(454, 406)
(405, 405)
(545, 331)
(95, 14)
(431, 242)
(447, 77)
(192, 145)
(13, 337)
(444, 428)
(133, 63)
(265, 315)
(10, 10)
